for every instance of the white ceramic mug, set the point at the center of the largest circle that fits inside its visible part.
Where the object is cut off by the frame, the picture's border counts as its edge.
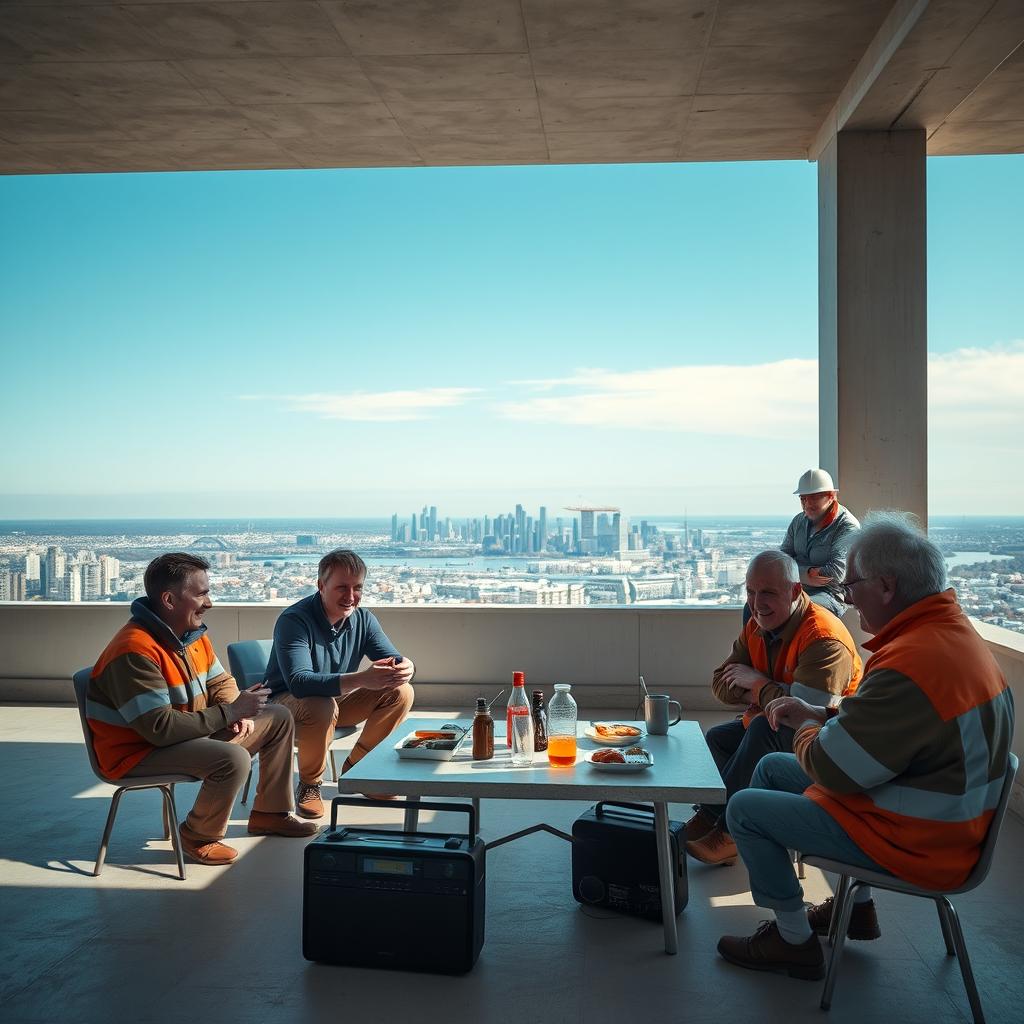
(656, 713)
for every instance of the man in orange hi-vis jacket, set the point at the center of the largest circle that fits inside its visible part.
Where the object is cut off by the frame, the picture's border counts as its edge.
(903, 777)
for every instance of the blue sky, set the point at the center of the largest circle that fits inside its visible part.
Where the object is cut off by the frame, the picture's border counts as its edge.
(363, 341)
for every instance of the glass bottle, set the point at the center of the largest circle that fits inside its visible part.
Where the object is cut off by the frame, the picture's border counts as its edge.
(562, 715)
(540, 722)
(519, 723)
(483, 732)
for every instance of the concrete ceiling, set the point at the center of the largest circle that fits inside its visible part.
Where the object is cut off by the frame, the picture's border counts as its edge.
(139, 86)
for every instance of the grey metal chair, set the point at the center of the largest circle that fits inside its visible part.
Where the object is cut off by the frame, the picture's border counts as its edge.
(852, 878)
(248, 662)
(165, 783)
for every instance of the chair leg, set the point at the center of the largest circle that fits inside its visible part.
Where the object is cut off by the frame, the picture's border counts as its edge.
(476, 811)
(841, 909)
(798, 863)
(837, 902)
(101, 855)
(172, 816)
(166, 819)
(245, 788)
(334, 767)
(965, 963)
(947, 931)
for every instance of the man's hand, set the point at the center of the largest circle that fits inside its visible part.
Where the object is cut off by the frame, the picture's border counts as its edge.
(792, 712)
(743, 677)
(383, 674)
(816, 578)
(248, 703)
(243, 727)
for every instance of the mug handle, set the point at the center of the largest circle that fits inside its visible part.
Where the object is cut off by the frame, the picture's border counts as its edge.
(679, 711)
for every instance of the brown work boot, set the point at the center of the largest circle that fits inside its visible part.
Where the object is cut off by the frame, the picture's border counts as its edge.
(863, 919)
(767, 950)
(716, 847)
(307, 800)
(268, 823)
(699, 825)
(205, 851)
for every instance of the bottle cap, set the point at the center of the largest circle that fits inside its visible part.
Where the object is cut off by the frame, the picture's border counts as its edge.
(563, 686)
(538, 694)
(481, 703)
(518, 678)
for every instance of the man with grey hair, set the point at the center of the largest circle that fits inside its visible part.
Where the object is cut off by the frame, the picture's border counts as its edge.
(903, 777)
(789, 645)
(319, 644)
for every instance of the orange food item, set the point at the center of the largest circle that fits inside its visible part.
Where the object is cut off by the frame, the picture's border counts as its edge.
(616, 730)
(608, 757)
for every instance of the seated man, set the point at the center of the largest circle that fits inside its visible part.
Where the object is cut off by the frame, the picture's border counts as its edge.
(789, 645)
(819, 537)
(159, 703)
(314, 672)
(903, 777)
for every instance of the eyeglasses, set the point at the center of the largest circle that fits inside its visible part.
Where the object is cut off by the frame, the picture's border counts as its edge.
(850, 584)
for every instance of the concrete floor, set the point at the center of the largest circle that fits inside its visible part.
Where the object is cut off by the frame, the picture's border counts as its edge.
(138, 945)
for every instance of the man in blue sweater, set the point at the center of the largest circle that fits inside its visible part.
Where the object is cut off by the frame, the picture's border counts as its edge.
(319, 643)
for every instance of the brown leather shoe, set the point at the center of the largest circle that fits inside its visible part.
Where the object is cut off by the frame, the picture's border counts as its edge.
(308, 803)
(863, 920)
(266, 823)
(699, 825)
(767, 950)
(205, 851)
(716, 847)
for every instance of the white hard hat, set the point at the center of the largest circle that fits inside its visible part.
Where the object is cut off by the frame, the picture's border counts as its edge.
(814, 481)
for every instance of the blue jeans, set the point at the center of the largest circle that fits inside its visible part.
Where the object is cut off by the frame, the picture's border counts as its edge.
(773, 817)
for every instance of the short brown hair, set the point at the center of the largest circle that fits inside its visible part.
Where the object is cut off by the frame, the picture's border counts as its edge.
(340, 558)
(171, 572)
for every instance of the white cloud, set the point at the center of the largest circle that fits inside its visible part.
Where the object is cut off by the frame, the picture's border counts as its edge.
(972, 394)
(372, 406)
(768, 400)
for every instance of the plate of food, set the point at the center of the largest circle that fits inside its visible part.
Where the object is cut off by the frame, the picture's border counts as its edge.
(631, 759)
(613, 734)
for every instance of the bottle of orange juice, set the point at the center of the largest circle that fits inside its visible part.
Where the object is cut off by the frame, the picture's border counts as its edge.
(562, 716)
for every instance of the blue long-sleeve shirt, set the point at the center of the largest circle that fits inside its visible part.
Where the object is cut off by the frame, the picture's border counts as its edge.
(309, 654)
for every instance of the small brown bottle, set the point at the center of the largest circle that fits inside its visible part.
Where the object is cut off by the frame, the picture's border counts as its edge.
(483, 732)
(540, 721)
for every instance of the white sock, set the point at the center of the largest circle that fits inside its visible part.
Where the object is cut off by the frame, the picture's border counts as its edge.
(863, 894)
(793, 926)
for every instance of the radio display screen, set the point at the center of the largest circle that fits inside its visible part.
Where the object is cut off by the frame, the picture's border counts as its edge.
(379, 866)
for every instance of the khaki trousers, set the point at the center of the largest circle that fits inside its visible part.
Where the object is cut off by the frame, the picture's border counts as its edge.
(222, 761)
(316, 717)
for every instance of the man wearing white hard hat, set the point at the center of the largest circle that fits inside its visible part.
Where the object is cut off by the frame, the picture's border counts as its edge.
(819, 537)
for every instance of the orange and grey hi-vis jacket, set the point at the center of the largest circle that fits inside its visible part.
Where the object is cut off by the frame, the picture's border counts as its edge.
(150, 688)
(912, 765)
(812, 657)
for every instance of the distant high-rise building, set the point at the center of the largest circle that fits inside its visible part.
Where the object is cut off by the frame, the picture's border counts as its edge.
(89, 576)
(432, 526)
(19, 586)
(413, 528)
(71, 586)
(394, 526)
(32, 566)
(542, 525)
(5, 583)
(56, 566)
(110, 571)
(586, 525)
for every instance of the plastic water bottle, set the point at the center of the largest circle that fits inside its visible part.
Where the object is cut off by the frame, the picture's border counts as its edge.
(519, 723)
(562, 716)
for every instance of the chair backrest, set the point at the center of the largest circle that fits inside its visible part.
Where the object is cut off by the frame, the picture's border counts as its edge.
(248, 661)
(81, 680)
(981, 869)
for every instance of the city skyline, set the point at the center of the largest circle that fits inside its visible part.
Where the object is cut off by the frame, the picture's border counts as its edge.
(338, 342)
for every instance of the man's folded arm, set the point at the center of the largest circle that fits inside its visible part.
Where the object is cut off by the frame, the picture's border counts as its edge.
(724, 691)
(873, 737)
(295, 659)
(822, 673)
(139, 692)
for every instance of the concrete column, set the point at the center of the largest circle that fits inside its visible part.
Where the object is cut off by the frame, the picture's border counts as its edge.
(872, 319)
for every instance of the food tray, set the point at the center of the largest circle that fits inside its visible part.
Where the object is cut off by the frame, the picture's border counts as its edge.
(425, 753)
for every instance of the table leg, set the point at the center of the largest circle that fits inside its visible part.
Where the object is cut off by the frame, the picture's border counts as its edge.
(412, 814)
(666, 878)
